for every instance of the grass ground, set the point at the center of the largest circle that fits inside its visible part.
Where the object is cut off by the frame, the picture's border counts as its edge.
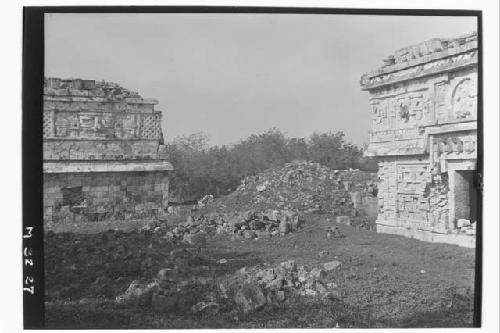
(385, 280)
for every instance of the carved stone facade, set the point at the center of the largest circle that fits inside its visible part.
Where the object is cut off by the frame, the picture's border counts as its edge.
(103, 153)
(423, 103)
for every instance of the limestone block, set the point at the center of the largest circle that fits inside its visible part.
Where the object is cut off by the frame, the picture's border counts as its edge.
(463, 223)
(343, 220)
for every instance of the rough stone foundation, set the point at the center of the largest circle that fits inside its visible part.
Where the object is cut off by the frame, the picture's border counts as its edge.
(84, 197)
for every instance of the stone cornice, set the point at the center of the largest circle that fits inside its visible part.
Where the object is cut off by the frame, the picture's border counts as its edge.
(106, 166)
(427, 58)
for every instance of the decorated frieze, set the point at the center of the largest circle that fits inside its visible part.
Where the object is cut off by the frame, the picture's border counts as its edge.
(413, 178)
(453, 146)
(396, 134)
(413, 208)
(456, 100)
(95, 106)
(464, 100)
(395, 148)
(92, 125)
(400, 122)
(401, 111)
(410, 195)
(81, 150)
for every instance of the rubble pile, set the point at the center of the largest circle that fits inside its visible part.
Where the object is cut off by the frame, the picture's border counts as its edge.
(172, 291)
(299, 185)
(250, 289)
(249, 225)
(87, 88)
(99, 265)
(253, 288)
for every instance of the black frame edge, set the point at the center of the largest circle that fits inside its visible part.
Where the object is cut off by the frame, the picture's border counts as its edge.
(32, 187)
(32, 104)
(478, 272)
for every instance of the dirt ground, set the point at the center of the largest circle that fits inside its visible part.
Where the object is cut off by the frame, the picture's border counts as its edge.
(384, 280)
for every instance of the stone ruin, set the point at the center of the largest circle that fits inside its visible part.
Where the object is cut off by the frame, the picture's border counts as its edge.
(103, 153)
(248, 289)
(423, 102)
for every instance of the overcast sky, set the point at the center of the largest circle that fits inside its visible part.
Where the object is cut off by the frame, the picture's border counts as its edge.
(231, 75)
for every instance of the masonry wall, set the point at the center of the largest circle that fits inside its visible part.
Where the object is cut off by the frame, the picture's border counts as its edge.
(424, 133)
(112, 136)
(104, 196)
(410, 195)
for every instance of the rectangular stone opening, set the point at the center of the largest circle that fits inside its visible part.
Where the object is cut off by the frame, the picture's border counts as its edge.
(72, 196)
(466, 198)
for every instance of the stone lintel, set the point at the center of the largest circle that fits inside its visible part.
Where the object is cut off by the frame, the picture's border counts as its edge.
(386, 149)
(454, 127)
(97, 139)
(395, 153)
(99, 99)
(418, 74)
(106, 166)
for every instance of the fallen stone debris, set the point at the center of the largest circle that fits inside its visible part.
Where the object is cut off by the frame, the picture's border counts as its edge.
(333, 232)
(301, 186)
(248, 225)
(205, 200)
(249, 289)
(117, 258)
(171, 292)
(253, 288)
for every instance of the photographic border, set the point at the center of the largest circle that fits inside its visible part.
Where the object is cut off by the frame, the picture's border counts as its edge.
(32, 103)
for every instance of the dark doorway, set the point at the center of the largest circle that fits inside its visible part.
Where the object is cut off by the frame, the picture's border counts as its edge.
(466, 198)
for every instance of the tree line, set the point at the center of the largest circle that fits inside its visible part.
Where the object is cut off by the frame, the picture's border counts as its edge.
(201, 169)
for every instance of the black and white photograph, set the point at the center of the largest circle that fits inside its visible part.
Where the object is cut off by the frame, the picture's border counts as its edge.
(253, 168)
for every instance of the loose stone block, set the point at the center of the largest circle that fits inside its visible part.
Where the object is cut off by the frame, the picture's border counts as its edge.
(344, 220)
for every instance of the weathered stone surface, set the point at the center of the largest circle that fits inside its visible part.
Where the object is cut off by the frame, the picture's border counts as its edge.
(332, 265)
(137, 294)
(284, 227)
(204, 306)
(267, 275)
(463, 223)
(344, 220)
(318, 273)
(166, 274)
(320, 287)
(250, 297)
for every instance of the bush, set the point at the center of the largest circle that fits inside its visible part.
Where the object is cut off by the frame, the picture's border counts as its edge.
(217, 170)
